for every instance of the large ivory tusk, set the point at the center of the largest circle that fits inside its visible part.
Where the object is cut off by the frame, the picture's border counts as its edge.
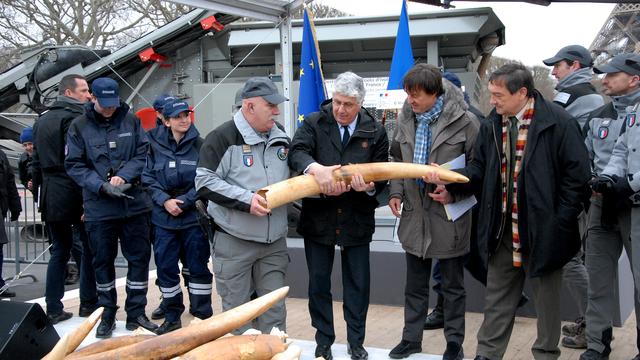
(298, 187)
(180, 341)
(78, 335)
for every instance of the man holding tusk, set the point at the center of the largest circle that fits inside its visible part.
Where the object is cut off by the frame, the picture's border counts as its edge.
(342, 132)
(249, 245)
(434, 126)
(531, 166)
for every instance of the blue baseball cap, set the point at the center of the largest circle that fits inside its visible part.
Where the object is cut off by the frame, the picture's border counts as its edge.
(572, 53)
(158, 103)
(173, 108)
(107, 91)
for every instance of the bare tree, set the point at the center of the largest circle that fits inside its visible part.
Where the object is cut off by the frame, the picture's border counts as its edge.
(98, 24)
(319, 11)
(542, 81)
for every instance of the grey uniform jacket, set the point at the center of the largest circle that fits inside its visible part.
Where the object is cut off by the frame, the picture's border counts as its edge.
(424, 229)
(577, 96)
(625, 160)
(235, 162)
(604, 128)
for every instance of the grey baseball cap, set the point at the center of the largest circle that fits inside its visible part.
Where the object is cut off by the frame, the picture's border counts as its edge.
(238, 99)
(573, 53)
(628, 63)
(264, 87)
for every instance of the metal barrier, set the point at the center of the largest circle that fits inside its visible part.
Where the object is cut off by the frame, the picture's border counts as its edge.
(28, 238)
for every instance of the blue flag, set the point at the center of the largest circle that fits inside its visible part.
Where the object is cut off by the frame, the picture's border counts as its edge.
(312, 90)
(402, 59)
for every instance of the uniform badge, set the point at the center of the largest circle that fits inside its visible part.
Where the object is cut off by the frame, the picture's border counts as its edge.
(631, 119)
(603, 131)
(364, 144)
(247, 160)
(282, 153)
(246, 149)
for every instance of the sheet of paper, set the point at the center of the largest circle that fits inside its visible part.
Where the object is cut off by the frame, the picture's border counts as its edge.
(456, 209)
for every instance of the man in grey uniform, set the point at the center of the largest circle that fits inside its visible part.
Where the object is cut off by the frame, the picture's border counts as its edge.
(236, 159)
(575, 93)
(609, 217)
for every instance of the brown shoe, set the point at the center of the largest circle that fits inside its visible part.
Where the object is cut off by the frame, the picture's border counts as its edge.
(575, 342)
(574, 328)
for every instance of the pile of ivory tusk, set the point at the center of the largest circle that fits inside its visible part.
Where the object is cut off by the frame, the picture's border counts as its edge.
(298, 187)
(200, 340)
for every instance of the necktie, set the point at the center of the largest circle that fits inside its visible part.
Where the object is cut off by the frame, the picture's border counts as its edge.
(345, 136)
(513, 137)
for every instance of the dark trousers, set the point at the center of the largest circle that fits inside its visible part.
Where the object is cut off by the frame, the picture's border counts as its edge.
(169, 245)
(504, 289)
(62, 240)
(416, 297)
(355, 282)
(474, 266)
(1, 264)
(134, 242)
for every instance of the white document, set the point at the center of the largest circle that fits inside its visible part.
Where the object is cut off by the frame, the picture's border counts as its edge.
(456, 209)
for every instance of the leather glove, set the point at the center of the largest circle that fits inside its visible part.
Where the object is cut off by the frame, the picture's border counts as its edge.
(15, 215)
(622, 189)
(603, 184)
(116, 192)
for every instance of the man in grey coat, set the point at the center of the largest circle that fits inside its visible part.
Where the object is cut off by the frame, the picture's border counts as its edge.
(236, 159)
(575, 93)
(610, 213)
(433, 127)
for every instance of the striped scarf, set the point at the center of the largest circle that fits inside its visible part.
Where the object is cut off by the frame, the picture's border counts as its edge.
(521, 142)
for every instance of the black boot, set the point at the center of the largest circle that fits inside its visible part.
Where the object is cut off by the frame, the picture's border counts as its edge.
(435, 320)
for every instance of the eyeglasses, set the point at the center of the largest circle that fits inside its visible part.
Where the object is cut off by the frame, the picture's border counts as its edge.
(346, 105)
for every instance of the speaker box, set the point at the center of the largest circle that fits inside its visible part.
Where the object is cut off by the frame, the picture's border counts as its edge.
(25, 331)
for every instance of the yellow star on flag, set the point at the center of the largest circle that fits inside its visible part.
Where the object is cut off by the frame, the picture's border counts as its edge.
(311, 64)
(301, 71)
(300, 117)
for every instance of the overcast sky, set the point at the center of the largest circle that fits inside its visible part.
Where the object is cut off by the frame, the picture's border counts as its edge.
(532, 32)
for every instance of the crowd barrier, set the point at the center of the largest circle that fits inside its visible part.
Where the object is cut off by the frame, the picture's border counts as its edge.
(28, 240)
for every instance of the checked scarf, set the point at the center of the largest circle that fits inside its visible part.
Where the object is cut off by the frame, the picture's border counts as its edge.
(423, 133)
(520, 145)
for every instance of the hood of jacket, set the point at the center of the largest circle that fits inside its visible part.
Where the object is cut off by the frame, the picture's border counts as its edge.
(162, 140)
(453, 108)
(580, 76)
(620, 103)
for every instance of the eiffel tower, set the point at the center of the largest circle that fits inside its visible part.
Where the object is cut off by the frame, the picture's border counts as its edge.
(620, 33)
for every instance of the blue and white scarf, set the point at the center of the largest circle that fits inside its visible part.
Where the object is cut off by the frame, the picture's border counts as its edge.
(423, 131)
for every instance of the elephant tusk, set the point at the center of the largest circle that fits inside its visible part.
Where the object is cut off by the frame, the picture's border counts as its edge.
(299, 187)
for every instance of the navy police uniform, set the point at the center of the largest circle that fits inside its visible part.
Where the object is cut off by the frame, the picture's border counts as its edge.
(169, 174)
(97, 149)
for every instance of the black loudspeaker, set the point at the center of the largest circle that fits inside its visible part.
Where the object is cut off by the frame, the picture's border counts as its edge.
(25, 331)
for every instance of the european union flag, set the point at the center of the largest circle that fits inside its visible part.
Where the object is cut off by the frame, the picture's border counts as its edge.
(312, 90)
(402, 59)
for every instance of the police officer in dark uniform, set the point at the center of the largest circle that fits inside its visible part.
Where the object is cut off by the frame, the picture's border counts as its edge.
(169, 174)
(61, 198)
(107, 149)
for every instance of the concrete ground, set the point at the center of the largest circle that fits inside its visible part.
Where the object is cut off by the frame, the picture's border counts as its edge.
(384, 325)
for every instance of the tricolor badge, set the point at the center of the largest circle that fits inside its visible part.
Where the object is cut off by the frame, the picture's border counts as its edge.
(282, 153)
(247, 160)
(603, 131)
(631, 119)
